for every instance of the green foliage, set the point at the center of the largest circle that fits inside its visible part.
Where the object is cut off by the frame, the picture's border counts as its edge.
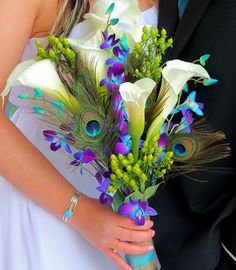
(59, 51)
(146, 58)
(137, 177)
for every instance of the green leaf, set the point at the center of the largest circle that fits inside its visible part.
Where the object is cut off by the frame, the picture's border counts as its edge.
(118, 200)
(137, 195)
(208, 82)
(37, 93)
(110, 9)
(114, 21)
(150, 192)
(24, 95)
(204, 58)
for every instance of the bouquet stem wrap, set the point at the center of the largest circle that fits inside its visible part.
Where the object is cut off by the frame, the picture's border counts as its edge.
(148, 261)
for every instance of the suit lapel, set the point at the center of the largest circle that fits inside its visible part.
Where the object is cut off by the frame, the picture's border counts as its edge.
(168, 16)
(190, 20)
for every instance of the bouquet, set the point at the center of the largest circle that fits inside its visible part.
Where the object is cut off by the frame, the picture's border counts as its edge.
(110, 101)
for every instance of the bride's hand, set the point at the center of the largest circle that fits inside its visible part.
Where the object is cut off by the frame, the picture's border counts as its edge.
(109, 232)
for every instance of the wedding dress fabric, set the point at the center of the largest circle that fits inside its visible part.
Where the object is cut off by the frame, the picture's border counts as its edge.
(30, 237)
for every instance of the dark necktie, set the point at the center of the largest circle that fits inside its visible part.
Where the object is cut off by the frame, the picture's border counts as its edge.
(182, 5)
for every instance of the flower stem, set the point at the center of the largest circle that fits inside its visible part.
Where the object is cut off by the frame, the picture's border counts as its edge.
(135, 147)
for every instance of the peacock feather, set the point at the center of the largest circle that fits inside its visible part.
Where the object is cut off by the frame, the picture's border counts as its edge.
(192, 150)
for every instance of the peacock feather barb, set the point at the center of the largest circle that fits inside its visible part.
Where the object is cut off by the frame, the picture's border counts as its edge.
(192, 150)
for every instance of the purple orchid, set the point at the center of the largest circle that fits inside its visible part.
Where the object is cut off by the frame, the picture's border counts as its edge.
(137, 210)
(113, 79)
(82, 157)
(109, 41)
(58, 140)
(124, 145)
(104, 198)
(186, 120)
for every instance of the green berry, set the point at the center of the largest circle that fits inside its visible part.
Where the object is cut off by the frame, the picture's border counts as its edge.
(113, 177)
(111, 189)
(144, 177)
(129, 168)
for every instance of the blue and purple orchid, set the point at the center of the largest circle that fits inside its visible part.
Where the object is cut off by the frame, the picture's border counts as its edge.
(138, 210)
(104, 183)
(83, 157)
(59, 141)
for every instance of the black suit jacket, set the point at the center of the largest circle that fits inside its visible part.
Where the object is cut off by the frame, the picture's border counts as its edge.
(194, 218)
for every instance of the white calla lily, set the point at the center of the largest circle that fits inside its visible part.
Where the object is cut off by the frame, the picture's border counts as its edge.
(94, 58)
(127, 11)
(42, 75)
(175, 74)
(135, 97)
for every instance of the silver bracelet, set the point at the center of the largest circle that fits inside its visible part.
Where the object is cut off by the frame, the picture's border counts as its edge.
(69, 211)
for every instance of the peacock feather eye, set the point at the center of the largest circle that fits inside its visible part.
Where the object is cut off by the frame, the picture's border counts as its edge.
(90, 124)
(183, 147)
(93, 128)
(179, 149)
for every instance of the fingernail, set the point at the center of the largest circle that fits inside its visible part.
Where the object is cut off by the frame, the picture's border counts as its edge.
(153, 233)
(150, 248)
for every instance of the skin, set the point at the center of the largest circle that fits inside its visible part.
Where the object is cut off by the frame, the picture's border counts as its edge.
(34, 18)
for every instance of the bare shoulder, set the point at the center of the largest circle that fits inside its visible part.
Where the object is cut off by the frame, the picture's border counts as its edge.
(19, 20)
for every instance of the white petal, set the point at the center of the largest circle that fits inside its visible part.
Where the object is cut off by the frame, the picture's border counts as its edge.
(178, 72)
(42, 75)
(126, 10)
(175, 75)
(137, 92)
(146, 83)
(14, 76)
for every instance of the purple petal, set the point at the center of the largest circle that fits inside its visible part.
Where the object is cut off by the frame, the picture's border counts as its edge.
(110, 61)
(105, 184)
(100, 189)
(55, 146)
(110, 72)
(125, 209)
(121, 148)
(103, 82)
(105, 198)
(75, 163)
(107, 174)
(118, 68)
(105, 35)
(117, 51)
(105, 46)
(201, 105)
(140, 220)
(143, 205)
(49, 134)
(67, 148)
(123, 128)
(78, 155)
(163, 140)
(88, 156)
(150, 211)
(98, 176)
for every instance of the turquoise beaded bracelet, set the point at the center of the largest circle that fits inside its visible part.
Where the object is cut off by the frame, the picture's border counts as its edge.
(69, 212)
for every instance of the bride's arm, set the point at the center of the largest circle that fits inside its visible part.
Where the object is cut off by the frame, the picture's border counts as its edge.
(30, 172)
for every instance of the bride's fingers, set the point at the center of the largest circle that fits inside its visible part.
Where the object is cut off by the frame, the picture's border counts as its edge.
(116, 258)
(130, 248)
(128, 223)
(133, 236)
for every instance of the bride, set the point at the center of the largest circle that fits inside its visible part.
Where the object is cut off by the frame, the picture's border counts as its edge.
(36, 185)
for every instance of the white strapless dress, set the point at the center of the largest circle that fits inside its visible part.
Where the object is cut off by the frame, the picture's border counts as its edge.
(30, 237)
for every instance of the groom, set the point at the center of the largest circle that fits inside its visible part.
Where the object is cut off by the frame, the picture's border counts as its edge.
(196, 225)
